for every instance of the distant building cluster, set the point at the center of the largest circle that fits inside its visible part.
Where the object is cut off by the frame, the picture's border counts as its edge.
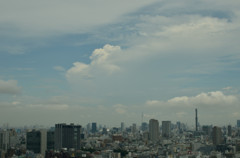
(149, 140)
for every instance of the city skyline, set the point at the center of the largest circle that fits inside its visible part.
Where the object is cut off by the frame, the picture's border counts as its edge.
(108, 62)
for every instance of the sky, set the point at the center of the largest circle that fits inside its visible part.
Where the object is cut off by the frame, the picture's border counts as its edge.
(110, 61)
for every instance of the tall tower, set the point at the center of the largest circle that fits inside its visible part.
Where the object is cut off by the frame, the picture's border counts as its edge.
(196, 119)
(153, 130)
(166, 129)
(94, 127)
(122, 126)
(217, 135)
(229, 130)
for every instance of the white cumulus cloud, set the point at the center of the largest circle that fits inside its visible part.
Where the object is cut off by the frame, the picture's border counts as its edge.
(216, 98)
(101, 62)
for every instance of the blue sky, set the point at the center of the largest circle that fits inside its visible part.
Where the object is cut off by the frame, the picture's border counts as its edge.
(109, 61)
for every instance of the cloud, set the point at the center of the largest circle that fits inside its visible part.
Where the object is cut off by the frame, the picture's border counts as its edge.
(213, 108)
(120, 109)
(13, 49)
(181, 114)
(10, 105)
(49, 106)
(210, 99)
(9, 87)
(59, 68)
(236, 114)
(227, 88)
(164, 51)
(59, 17)
(100, 63)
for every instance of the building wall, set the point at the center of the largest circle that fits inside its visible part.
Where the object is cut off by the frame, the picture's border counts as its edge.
(217, 135)
(37, 141)
(34, 141)
(166, 129)
(153, 130)
(50, 140)
(4, 140)
(94, 127)
(238, 123)
(67, 136)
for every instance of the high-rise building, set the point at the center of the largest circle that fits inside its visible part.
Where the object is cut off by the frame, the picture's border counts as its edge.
(238, 123)
(196, 119)
(144, 126)
(229, 130)
(37, 141)
(217, 135)
(94, 127)
(50, 140)
(178, 125)
(153, 130)
(67, 136)
(134, 128)
(207, 130)
(166, 129)
(13, 138)
(88, 127)
(4, 140)
(122, 126)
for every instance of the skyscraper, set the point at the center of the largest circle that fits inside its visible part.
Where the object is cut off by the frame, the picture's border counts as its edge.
(153, 130)
(196, 119)
(50, 140)
(238, 123)
(67, 136)
(37, 141)
(4, 140)
(166, 129)
(217, 135)
(134, 128)
(229, 130)
(122, 126)
(94, 127)
(144, 126)
(207, 130)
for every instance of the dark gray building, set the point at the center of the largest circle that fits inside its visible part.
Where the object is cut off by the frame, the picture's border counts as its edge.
(229, 130)
(94, 127)
(166, 129)
(153, 130)
(238, 123)
(217, 135)
(67, 136)
(37, 141)
(207, 130)
(50, 140)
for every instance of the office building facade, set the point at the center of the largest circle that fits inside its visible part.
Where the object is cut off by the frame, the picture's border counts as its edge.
(67, 136)
(217, 135)
(4, 140)
(94, 127)
(37, 141)
(166, 129)
(153, 130)
(238, 123)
